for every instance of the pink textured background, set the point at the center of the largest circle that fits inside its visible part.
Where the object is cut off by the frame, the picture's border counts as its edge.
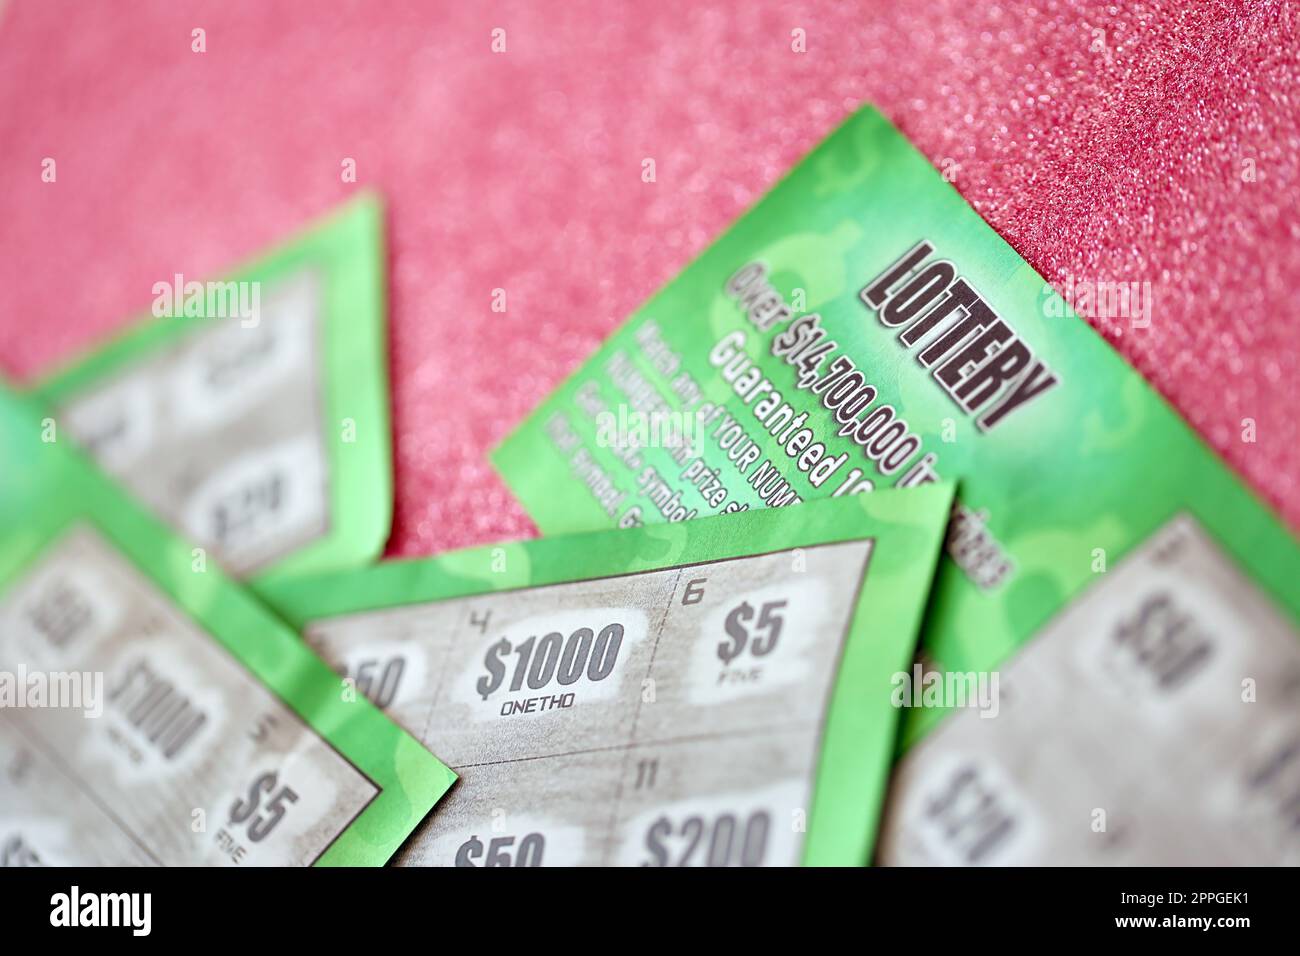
(1115, 155)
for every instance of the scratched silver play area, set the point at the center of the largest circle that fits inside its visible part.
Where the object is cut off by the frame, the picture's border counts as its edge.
(671, 717)
(219, 433)
(183, 758)
(1156, 721)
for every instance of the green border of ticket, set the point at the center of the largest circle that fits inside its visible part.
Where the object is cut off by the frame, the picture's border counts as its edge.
(861, 723)
(346, 250)
(48, 486)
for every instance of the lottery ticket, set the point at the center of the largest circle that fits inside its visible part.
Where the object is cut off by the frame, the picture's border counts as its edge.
(251, 413)
(703, 693)
(862, 328)
(1155, 721)
(151, 711)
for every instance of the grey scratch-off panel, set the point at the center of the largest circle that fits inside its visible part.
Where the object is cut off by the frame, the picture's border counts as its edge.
(191, 761)
(1155, 721)
(621, 720)
(220, 432)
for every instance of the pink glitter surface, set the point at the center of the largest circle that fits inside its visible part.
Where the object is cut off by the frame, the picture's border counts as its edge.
(1135, 142)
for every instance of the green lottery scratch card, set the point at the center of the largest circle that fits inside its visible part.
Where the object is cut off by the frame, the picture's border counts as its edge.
(1155, 721)
(708, 693)
(252, 413)
(862, 328)
(151, 712)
